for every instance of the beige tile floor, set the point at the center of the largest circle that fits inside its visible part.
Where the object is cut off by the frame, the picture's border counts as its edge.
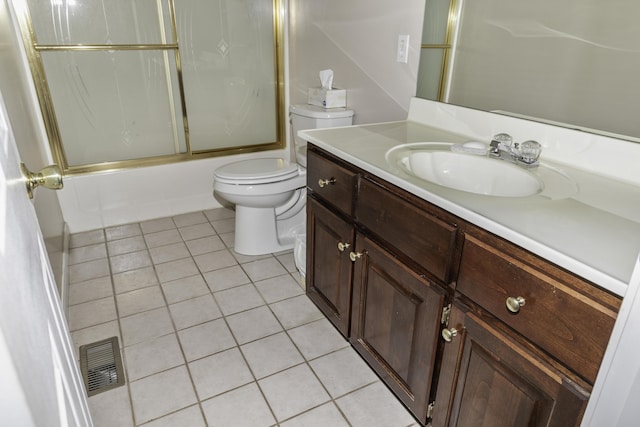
(213, 338)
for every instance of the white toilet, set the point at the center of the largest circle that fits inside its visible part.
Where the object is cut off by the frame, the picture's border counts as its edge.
(270, 193)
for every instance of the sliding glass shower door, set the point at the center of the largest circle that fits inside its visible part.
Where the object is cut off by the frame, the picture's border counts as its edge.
(124, 83)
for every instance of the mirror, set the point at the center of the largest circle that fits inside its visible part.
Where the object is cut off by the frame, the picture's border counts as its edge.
(576, 62)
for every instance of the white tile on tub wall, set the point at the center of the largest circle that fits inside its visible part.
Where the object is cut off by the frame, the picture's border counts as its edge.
(80, 207)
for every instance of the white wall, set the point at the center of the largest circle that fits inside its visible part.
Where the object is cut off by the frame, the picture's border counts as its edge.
(357, 39)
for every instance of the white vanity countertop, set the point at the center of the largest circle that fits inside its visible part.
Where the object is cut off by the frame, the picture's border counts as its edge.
(594, 233)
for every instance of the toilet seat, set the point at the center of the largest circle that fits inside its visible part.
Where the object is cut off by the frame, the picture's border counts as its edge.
(257, 171)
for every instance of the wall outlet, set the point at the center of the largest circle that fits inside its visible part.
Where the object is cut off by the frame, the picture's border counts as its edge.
(403, 48)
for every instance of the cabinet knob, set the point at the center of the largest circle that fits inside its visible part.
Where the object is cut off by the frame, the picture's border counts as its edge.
(448, 334)
(354, 256)
(514, 304)
(343, 246)
(325, 182)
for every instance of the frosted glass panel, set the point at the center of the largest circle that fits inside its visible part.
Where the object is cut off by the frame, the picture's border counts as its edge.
(436, 16)
(100, 22)
(228, 64)
(430, 72)
(115, 105)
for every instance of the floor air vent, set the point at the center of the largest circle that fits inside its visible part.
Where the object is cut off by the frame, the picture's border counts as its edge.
(101, 366)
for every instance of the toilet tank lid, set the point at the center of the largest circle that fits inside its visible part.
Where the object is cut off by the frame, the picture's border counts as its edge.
(316, 112)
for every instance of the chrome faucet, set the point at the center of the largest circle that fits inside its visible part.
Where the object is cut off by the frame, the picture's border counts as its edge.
(525, 154)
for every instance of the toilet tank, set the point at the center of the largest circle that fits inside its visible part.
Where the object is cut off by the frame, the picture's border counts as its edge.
(305, 116)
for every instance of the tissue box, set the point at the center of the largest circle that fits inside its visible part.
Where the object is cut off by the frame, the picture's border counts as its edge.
(327, 98)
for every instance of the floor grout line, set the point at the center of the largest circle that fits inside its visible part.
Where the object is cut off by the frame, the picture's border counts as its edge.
(242, 262)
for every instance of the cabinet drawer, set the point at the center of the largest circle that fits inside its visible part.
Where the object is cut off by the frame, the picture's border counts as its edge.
(331, 182)
(423, 237)
(559, 312)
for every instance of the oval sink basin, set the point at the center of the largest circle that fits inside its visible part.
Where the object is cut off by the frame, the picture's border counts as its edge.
(467, 172)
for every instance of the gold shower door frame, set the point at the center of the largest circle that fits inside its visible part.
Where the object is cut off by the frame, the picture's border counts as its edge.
(33, 51)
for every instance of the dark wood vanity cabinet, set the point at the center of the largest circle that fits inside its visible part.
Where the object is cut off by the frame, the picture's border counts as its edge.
(526, 340)
(488, 378)
(395, 323)
(329, 269)
(330, 237)
(378, 265)
(522, 342)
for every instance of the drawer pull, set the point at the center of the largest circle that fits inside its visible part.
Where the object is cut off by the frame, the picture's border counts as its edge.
(514, 304)
(325, 182)
(343, 246)
(354, 256)
(448, 334)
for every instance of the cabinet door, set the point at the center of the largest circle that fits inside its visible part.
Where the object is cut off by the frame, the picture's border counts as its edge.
(329, 270)
(488, 379)
(395, 323)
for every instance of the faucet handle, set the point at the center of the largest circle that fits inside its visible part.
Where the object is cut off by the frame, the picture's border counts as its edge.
(503, 138)
(530, 151)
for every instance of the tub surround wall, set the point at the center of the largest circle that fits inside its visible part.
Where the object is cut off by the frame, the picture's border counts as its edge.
(357, 39)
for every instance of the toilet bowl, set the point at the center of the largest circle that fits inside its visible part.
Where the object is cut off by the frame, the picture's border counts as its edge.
(270, 193)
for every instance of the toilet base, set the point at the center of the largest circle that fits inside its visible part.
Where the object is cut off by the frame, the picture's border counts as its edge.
(256, 232)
